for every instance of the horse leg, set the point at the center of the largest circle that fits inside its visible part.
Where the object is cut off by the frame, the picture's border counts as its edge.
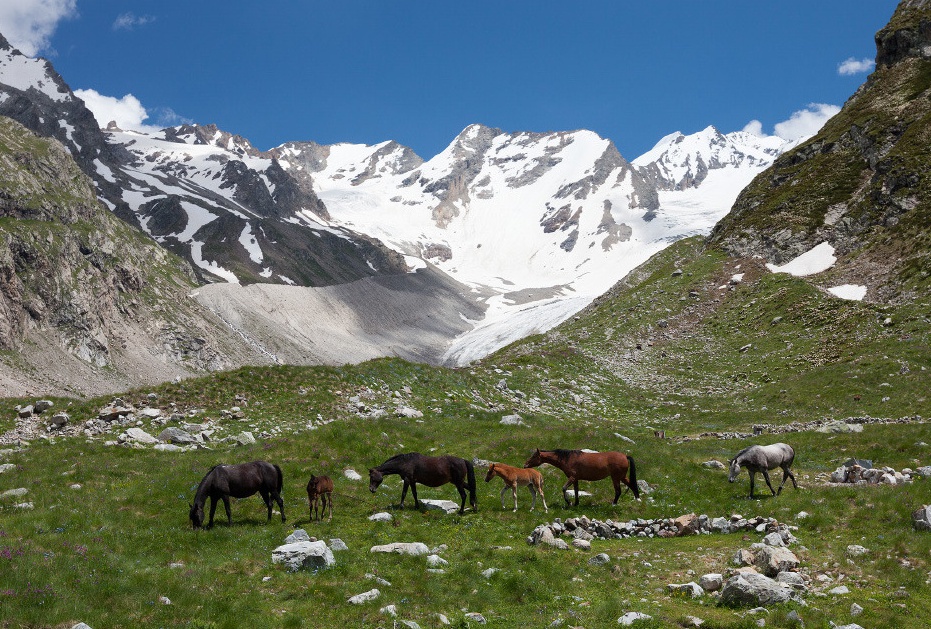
(213, 509)
(328, 500)
(460, 487)
(786, 472)
(575, 485)
(404, 493)
(752, 480)
(267, 499)
(617, 489)
(229, 512)
(503, 490)
(542, 496)
(514, 493)
(564, 488)
(768, 484)
(533, 492)
(414, 494)
(280, 502)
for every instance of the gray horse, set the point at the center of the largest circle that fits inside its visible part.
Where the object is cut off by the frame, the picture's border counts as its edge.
(762, 459)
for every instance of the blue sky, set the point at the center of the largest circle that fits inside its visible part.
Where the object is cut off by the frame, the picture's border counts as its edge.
(420, 71)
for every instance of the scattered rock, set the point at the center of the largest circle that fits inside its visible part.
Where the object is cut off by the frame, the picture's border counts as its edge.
(351, 474)
(631, 617)
(402, 548)
(25, 412)
(435, 561)
(384, 516)
(299, 535)
(304, 555)
(337, 545)
(512, 420)
(771, 560)
(365, 597)
(6, 467)
(840, 590)
(714, 465)
(176, 436)
(689, 590)
(439, 505)
(408, 412)
(855, 610)
(600, 559)
(855, 550)
(243, 439)
(60, 420)
(476, 617)
(792, 579)
(754, 589)
(140, 436)
(711, 582)
(389, 610)
(14, 493)
(921, 518)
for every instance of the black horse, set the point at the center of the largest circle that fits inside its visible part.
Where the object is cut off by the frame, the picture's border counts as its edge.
(238, 481)
(431, 471)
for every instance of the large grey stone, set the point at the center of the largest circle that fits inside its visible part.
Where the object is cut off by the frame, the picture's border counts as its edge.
(751, 589)
(793, 579)
(711, 582)
(688, 590)
(771, 560)
(176, 436)
(14, 493)
(299, 535)
(921, 518)
(439, 505)
(304, 555)
(43, 405)
(365, 597)
(140, 436)
(402, 548)
(383, 516)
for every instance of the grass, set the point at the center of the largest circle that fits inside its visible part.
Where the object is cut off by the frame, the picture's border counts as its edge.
(104, 553)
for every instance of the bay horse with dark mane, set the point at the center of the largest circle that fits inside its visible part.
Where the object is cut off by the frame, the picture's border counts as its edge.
(431, 471)
(515, 477)
(579, 465)
(320, 488)
(238, 481)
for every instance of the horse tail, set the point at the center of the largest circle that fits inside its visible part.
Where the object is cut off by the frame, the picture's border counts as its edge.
(633, 477)
(280, 479)
(470, 472)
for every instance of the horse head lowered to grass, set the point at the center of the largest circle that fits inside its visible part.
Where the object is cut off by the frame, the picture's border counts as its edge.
(238, 481)
(431, 471)
(762, 459)
(580, 465)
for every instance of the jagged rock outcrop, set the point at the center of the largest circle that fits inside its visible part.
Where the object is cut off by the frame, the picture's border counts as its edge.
(862, 183)
(85, 290)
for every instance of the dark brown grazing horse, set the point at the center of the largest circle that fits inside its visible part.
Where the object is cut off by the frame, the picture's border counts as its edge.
(578, 465)
(238, 481)
(431, 471)
(320, 487)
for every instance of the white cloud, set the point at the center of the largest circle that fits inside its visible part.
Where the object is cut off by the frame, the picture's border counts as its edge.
(805, 122)
(755, 127)
(855, 66)
(29, 24)
(129, 21)
(127, 112)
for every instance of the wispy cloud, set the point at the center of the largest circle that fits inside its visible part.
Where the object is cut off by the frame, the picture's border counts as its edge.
(30, 24)
(801, 124)
(127, 112)
(130, 21)
(855, 66)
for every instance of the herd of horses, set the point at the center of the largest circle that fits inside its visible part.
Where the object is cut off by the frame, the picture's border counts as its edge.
(266, 479)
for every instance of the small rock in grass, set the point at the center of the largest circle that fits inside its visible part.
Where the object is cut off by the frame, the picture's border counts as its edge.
(364, 597)
(631, 617)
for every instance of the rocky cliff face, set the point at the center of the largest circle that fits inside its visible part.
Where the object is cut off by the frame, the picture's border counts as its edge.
(862, 184)
(84, 298)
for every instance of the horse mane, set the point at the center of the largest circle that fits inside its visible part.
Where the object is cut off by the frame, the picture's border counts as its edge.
(562, 454)
(742, 452)
(210, 471)
(406, 456)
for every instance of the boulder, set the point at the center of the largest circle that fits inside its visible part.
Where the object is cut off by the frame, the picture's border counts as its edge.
(25, 412)
(140, 436)
(43, 405)
(599, 560)
(771, 560)
(439, 505)
(711, 582)
(581, 544)
(924, 471)
(921, 518)
(793, 579)
(407, 411)
(365, 597)
(688, 590)
(304, 555)
(774, 539)
(60, 420)
(351, 474)
(243, 439)
(402, 548)
(512, 420)
(686, 524)
(176, 436)
(299, 535)
(750, 589)
(384, 516)
(337, 545)
(631, 617)
(743, 557)
(150, 413)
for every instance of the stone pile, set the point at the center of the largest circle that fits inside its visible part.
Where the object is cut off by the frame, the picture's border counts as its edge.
(823, 425)
(586, 529)
(863, 473)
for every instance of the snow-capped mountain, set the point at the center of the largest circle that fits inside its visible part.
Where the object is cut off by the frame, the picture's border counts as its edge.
(535, 225)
